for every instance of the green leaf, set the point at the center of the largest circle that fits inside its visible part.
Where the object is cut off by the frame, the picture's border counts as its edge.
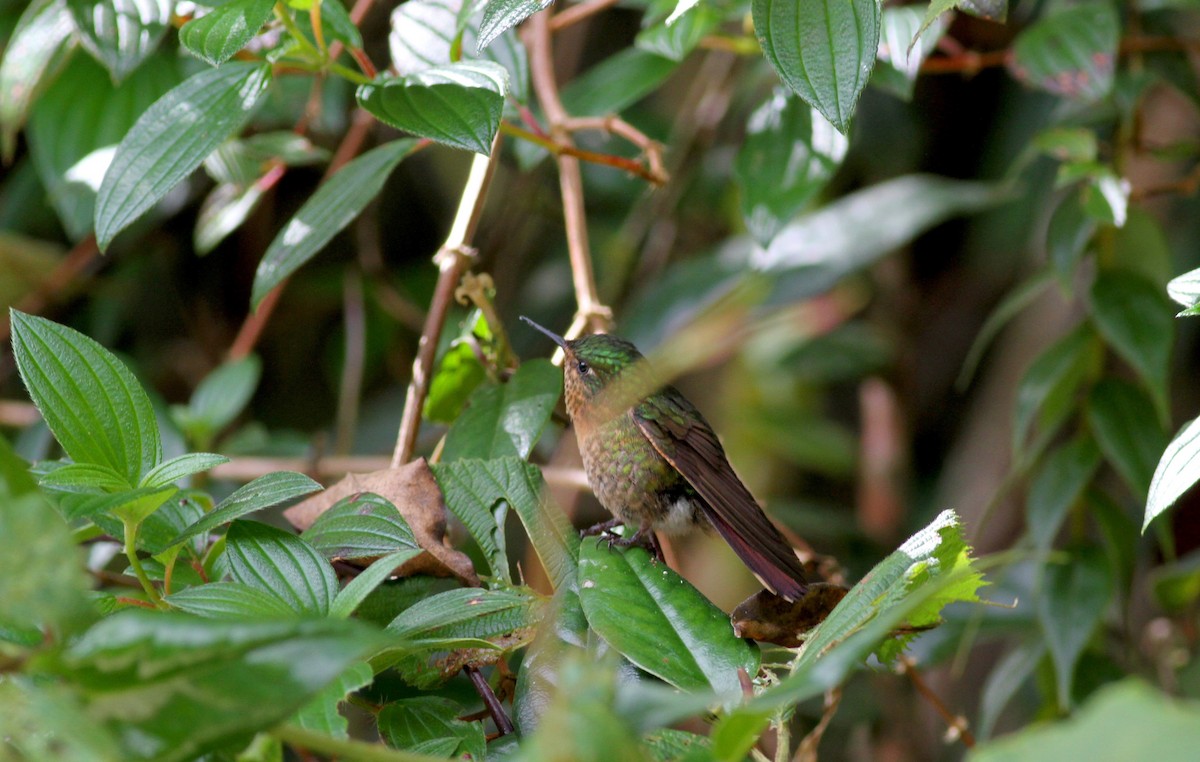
(43, 720)
(1141, 247)
(120, 33)
(675, 39)
(334, 206)
(1124, 422)
(216, 36)
(362, 525)
(1106, 197)
(171, 139)
(1185, 289)
(1013, 304)
(1072, 598)
(457, 376)
(338, 24)
(92, 403)
(472, 490)
(905, 41)
(171, 687)
(1071, 53)
(823, 50)
(33, 54)
(1005, 679)
(223, 211)
(170, 471)
(230, 600)
(281, 564)
(1073, 144)
(1168, 730)
(618, 81)
(1056, 487)
(354, 593)
(219, 398)
(321, 712)
(134, 505)
(1178, 470)
(658, 621)
(1047, 389)
(84, 477)
(264, 492)
(1176, 586)
(1067, 237)
(670, 745)
(790, 152)
(458, 104)
(501, 15)
(508, 419)
(430, 725)
(1135, 320)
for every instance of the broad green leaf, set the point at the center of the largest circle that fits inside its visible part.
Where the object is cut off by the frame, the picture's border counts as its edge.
(321, 712)
(675, 40)
(506, 420)
(171, 686)
(92, 403)
(1124, 422)
(1178, 469)
(42, 579)
(354, 593)
(334, 206)
(362, 525)
(130, 504)
(1072, 598)
(905, 41)
(33, 54)
(473, 489)
(1056, 487)
(120, 33)
(230, 600)
(790, 152)
(430, 725)
(1135, 320)
(620, 80)
(658, 621)
(281, 564)
(216, 36)
(1005, 679)
(1067, 236)
(170, 471)
(501, 15)
(1168, 730)
(171, 138)
(1071, 53)
(823, 50)
(218, 399)
(263, 492)
(1013, 304)
(43, 720)
(84, 477)
(458, 104)
(1185, 289)
(1047, 389)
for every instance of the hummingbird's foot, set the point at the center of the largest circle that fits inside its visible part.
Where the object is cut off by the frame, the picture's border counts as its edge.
(604, 528)
(642, 538)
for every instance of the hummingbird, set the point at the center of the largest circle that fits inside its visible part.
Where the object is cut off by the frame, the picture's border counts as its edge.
(655, 463)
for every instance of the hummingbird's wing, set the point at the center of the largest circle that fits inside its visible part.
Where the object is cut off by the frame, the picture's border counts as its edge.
(681, 435)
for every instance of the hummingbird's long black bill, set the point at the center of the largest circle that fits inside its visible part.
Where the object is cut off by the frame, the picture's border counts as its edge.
(559, 340)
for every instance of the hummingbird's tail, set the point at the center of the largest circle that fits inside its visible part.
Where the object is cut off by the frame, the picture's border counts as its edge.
(782, 575)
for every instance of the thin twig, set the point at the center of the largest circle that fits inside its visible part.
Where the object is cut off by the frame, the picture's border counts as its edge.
(956, 724)
(807, 750)
(503, 723)
(577, 13)
(654, 174)
(452, 259)
(615, 125)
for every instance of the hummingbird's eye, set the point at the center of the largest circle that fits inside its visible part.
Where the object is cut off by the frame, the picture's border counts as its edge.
(583, 367)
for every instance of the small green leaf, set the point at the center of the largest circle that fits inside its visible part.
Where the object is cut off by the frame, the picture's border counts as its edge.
(1071, 53)
(92, 403)
(1124, 422)
(501, 15)
(1056, 487)
(223, 211)
(430, 725)
(1185, 289)
(1047, 389)
(1067, 237)
(362, 525)
(32, 55)
(675, 40)
(171, 687)
(263, 492)
(905, 41)
(457, 376)
(216, 36)
(354, 593)
(1178, 470)
(1072, 598)
(1013, 304)
(823, 50)
(281, 564)
(618, 81)
(334, 206)
(338, 24)
(170, 471)
(84, 477)
(506, 420)
(658, 621)
(321, 712)
(1106, 197)
(1136, 321)
(230, 600)
(459, 104)
(120, 33)
(1005, 679)
(790, 152)
(171, 139)
(219, 398)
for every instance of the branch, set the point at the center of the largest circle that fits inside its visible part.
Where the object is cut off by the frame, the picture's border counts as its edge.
(577, 13)
(655, 174)
(503, 723)
(956, 725)
(615, 125)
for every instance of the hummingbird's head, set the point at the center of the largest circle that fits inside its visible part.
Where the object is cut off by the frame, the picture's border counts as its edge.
(590, 365)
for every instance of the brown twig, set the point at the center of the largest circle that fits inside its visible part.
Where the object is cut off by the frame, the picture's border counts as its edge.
(591, 313)
(654, 174)
(452, 259)
(956, 725)
(76, 261)
(577, 13)
(615, 125)
(503, 724)
(807, 750)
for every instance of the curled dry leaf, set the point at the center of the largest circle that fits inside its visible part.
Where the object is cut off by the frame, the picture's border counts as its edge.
(414, 491)
(769, 618)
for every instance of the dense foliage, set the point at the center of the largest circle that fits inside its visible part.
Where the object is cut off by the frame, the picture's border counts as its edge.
(216, 224)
